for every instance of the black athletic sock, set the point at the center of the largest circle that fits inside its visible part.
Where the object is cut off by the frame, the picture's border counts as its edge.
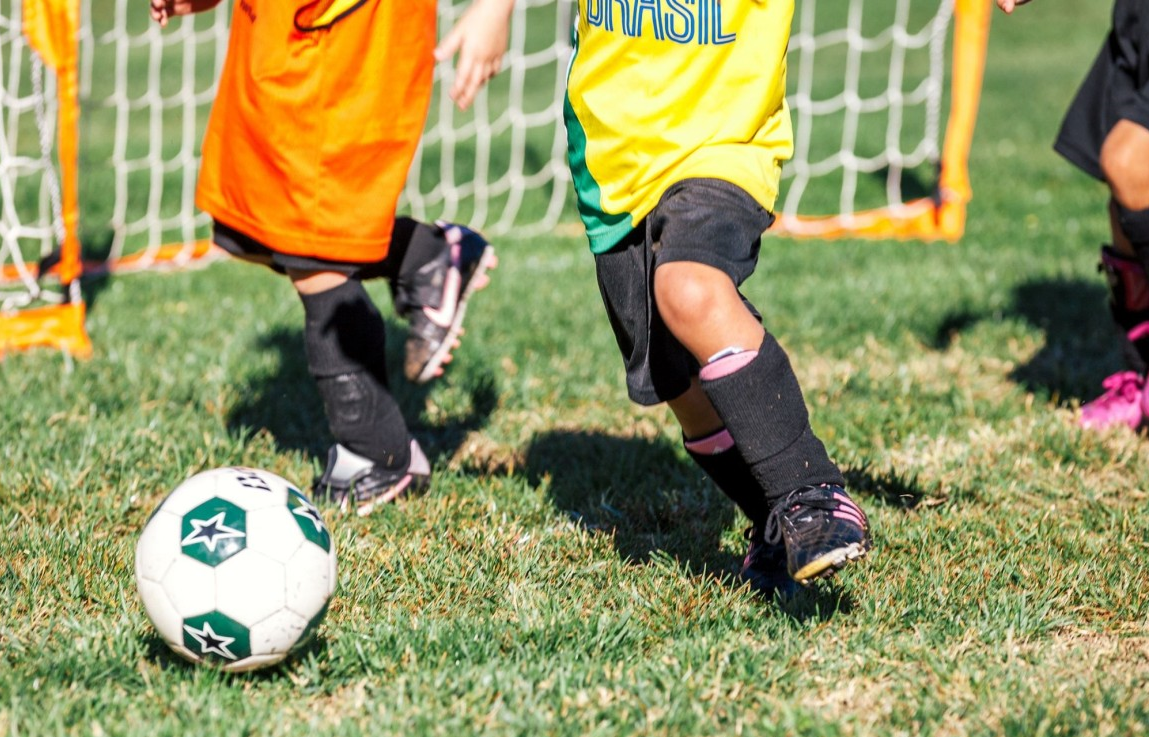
(717, 456)
(1128, 303)
(1135, 225)
(413, 245)
(345, 339)
(417, 248)
(758, 397)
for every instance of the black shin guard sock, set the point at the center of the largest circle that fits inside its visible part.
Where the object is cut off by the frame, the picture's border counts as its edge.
(413, 244)
(365, 419)
(345, 340)
(730, 473)
(1135, 225)
(1128, 303)
(762, 406)
(423, 247)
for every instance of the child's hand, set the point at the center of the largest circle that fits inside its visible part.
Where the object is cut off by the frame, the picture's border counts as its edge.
(1009, 5)
(162, 10)
(480, 40)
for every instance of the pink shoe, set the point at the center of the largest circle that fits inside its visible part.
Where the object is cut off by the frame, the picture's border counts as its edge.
(1121, 403)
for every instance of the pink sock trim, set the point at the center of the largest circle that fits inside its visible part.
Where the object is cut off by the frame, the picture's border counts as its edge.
(726, 365)
(711, 445)
(1139, 332)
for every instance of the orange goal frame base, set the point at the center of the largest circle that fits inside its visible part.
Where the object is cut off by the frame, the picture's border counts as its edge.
(925, 220)
(63, 326)
(54, 326)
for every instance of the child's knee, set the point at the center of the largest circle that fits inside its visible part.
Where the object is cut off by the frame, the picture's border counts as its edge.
(682, 293)
(1123, 158)
(688, 293)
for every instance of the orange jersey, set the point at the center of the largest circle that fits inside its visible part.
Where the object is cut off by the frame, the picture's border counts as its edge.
(316, 122)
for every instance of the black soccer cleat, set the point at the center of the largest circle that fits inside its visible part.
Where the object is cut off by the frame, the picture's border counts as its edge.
(822, 528)
(764, 567)
(352, 481)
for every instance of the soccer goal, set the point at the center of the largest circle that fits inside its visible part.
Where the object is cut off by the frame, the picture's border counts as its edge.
(101, 116)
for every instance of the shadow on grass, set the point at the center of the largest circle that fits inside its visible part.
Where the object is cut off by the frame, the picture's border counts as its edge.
(1081, 346)
(889, 487)
(287, 403)
(639, 491)
(819, 602)
(651, 501)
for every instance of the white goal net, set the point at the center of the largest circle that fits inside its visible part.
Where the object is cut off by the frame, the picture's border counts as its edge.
(866, 92)
(870, 85)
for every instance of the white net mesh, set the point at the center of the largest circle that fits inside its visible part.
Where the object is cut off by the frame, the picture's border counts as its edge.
(866, 95)
(501, 166)
(867, 89)
(145, 95)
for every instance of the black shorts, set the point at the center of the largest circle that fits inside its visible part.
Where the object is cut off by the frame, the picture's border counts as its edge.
(706, 221)
(242, 245)
(1117, 88)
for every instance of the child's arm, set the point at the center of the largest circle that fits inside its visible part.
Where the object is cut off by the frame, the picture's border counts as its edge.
(480, 40)
(164, 9)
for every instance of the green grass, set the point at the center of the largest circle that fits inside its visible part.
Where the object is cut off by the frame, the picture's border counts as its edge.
(570, 574)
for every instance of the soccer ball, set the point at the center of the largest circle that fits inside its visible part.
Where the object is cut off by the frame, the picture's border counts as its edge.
(235, 568)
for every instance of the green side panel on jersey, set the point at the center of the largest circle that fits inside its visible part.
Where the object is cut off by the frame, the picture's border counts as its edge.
(603, 229)
(307, 516)
(214, 531)
(217, 637)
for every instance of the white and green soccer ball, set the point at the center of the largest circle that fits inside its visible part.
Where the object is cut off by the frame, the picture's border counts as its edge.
(235, 568)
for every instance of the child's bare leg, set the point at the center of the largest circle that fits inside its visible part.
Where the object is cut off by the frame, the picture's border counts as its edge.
(758, 409)
(703, 309)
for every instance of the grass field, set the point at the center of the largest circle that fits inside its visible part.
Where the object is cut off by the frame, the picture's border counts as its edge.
(571, 572)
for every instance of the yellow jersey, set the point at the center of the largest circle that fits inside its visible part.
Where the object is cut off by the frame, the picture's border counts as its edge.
(663, 90)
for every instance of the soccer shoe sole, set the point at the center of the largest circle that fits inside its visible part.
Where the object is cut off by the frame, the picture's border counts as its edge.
(410, 486)
(830, 563)
(486, 262)
(779, 585)
(390, 496)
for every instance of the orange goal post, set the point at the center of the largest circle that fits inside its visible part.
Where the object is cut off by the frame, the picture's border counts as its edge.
(101, 115)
